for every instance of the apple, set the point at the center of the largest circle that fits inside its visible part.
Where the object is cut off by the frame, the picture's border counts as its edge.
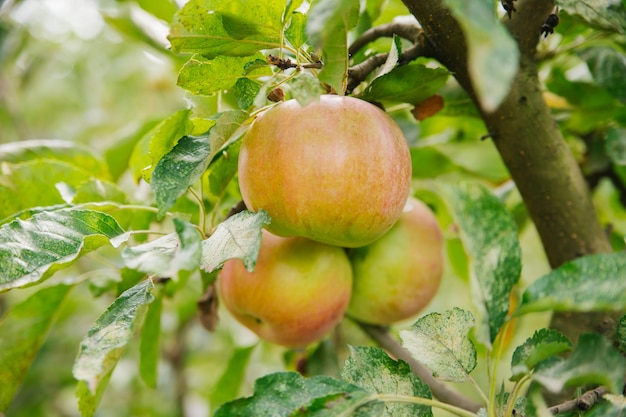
(399, 274)
(336, 171)
(298, 292)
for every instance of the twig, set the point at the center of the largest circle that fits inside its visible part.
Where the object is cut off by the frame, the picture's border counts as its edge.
(359, 72)
(582, 403)
(440, 390)
(404, 30)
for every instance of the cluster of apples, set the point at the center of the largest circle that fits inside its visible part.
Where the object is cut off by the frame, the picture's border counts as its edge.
(345, 236)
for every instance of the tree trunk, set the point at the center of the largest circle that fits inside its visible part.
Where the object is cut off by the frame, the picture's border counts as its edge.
(530, 144)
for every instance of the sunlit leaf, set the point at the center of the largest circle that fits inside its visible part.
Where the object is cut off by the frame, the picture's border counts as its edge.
(201, 75)
(604, 14)
(410, 83)
(542, 345)
(328, 24)
(493, 55)
(178, 170)
(296, 32)
(163, 9)
(117, 155)
(24, 328)
(237, 237)
(158, 142)
(32, 250)
(373, 370)
(440, 342)
(590, 283)
(234, 27)
(290, 394)
(227, 387)
(489, 235)
(105, 343)
(593, 361)
(167, 255)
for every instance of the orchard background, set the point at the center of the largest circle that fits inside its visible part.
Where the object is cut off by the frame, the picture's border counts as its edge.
(518, 144)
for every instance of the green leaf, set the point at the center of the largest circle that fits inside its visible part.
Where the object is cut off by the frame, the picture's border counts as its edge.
(162, 9)
(305, 88)
(167, 255)
(616, 145)
(608, 67)
(98, 190)
(543, 344)
(223, 169)
(226, 130)
(227, 387)
(296, 32)
(234, 27)
(590, 283)
(609, 15)
(593, 361)
(289, 394)
(178, 170)
(245, 91)
(105, 343)
(237, 237)
(493, 56)
(205, 76)
(489, 234)
(118, 154)
(32, 250)
(149, 346)
(412, 83)
(373, 370)
(24, 329)
(72, 153)
(38, 182)
(440, 342)
(328, 24)
(158, 142)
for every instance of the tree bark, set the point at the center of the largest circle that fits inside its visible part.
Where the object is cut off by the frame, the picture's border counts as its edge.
(529, 142)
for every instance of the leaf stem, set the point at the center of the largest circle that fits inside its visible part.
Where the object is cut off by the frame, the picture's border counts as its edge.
(408, 399)
(202, 210)
(478, 389)
(514, 394)
(425, 401)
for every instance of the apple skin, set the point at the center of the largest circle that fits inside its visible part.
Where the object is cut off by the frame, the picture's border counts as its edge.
(337, 171)
(399, 274)
(298, 292)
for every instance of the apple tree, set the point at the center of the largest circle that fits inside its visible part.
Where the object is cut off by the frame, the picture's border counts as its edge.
(128, 265)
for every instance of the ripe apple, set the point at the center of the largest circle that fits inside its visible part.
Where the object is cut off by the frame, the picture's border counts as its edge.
(336, 171)
(298, 292)
(397, 276)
